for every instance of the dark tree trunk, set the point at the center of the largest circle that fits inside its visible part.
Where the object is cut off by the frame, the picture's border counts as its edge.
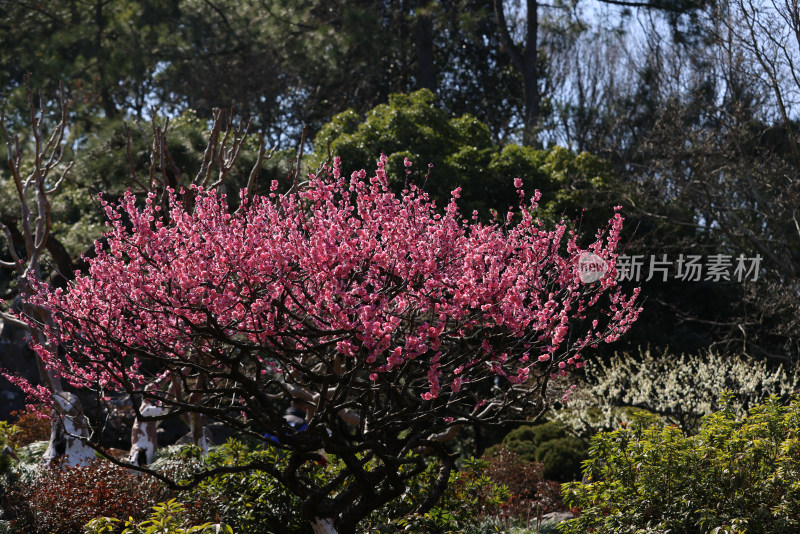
(530, 73)
(107, 102)
(426, 70)
(525, 61)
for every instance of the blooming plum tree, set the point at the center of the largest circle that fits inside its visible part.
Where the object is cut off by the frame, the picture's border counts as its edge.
(405, 320)
(36, 169)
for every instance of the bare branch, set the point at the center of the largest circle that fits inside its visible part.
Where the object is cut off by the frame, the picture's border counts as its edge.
(299, 163)
(209, 156)
(10, 319)
(17, 263)
(226, 157)
(251, 180)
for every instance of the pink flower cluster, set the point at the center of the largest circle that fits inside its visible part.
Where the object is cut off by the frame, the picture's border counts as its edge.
(345, 268)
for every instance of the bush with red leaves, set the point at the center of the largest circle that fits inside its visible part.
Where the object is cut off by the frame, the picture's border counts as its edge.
(531, 495)
(62, 499)
(30, 427)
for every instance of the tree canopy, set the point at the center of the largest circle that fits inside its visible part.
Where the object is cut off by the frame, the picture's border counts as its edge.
(463, 154)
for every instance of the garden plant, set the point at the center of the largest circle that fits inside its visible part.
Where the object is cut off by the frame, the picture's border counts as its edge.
(736, 475)
(404, 322)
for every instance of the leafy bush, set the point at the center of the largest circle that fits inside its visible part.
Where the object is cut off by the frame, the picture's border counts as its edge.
(167, 518)
(548, 443)
(471, 496)
(531, 495)
(254, 502)
(28, 427)
(251, 501)
(734, 475)
(561, 458)
(464, 154)
(536, 434)
(6, 430)
(472, 493)
(62, 499)
(681, 389)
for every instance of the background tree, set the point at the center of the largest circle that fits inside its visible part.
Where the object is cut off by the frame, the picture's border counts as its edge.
(104, 52)
(577, 187)
(680, 389)
(281, 64)
(34, 179)
(525, 59)
(695, 129)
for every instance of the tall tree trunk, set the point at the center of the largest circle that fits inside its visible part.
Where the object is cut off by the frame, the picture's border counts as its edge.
(68, 425)
(426, 70)
(323, 526)
(526, 62)
(106, 100)
(144, 436)
(530, 74)
(69, 428)
(201, 437)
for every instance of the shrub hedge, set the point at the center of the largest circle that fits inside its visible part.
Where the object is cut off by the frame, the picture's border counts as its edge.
(737, 474)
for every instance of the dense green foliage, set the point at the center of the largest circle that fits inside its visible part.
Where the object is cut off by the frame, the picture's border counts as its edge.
(471, 495)
(252, 501)
(165, 519)
(6, 431)
(283, 64)
(463, 154)
(735, 475)
(255, 502)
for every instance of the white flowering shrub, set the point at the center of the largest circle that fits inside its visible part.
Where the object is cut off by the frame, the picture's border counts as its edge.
(679, 388)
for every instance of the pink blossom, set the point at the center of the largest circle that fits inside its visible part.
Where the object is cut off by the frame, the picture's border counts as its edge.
(343, 272)
(456, 385)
